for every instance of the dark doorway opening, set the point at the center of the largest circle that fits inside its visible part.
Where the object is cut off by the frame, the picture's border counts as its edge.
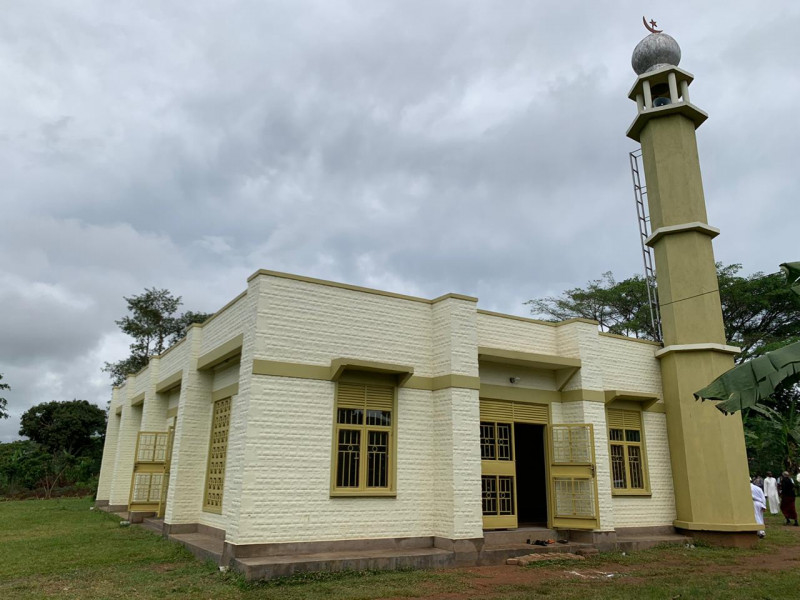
(531, 475)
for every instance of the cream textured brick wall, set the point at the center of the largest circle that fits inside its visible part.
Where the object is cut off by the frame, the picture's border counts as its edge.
(458, 464)
(130, 423)
(630, 366)
(537, 379)
(311, 323)
(286, 497)
(109, 449)
(660, 508)
(226, 324)
(173, 398)
(190, 446)
(173, 360)
(513, 334)
(238, 436)
(226, 376)
(454, 337)
(457, 427)
(154, 409)
(285, 489)
(580, 340)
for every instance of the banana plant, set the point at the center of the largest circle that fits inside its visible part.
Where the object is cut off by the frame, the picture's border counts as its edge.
(746, 385)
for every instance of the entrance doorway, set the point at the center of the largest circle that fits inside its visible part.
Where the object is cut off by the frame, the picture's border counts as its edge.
(529, 442)
(513, 464)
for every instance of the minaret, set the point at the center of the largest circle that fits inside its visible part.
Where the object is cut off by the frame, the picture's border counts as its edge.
(707, 451)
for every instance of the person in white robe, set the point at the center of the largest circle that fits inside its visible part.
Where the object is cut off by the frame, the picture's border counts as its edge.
(759, 505)
(771, 492)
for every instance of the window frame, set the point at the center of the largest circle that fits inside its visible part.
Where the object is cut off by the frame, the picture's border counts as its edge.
(365, 379)
(641, 444)
(211, 508)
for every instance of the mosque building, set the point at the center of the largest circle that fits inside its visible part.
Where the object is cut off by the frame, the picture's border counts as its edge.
(315, 425)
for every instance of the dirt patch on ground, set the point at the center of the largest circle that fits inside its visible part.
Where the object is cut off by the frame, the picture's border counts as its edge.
(485, 582)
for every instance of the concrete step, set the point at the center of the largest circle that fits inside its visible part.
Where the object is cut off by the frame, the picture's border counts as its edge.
(631, 543)
(266, 567)
(154, 525)
(204, 547)
(505, 538)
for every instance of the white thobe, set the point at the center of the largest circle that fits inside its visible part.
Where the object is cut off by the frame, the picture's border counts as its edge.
(759, 504)
(771, 492)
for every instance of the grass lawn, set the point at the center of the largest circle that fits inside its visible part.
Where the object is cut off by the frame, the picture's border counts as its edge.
(61, 549)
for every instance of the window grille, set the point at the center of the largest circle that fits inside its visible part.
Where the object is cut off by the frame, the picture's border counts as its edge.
(217, 454)
(363, 459)
(626, 449)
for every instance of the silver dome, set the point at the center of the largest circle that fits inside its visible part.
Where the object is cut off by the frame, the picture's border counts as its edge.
(655, 51)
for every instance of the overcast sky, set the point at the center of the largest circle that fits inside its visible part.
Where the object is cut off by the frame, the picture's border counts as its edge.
(417, 147)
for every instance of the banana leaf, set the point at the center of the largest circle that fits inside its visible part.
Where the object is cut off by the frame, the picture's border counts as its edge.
(792, 271)
(749, 383)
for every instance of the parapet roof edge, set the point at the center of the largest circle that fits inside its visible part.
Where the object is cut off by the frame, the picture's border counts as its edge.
(538, 321)
(358, 288)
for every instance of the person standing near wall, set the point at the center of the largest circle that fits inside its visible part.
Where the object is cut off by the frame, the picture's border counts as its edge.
(759, 505)
(771, 492)
(787, 491)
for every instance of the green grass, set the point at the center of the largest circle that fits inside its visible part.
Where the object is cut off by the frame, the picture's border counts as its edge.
(61, 549)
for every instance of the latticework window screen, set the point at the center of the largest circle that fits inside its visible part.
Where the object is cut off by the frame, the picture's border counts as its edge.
(363, 434)
(152, 447)
(626, 448)
(147, 488)
(572, 444)
(217, 454)
(574, 497)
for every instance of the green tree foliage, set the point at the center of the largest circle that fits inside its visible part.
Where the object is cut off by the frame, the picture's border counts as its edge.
(154, 325)
(759, 311)
(76, 426)
(772, 432)
(65, 448)
(3, 402)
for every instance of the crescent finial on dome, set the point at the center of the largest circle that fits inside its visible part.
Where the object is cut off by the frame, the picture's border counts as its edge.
(651, 26)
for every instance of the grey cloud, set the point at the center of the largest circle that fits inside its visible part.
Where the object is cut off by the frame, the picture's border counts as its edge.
(422, 147)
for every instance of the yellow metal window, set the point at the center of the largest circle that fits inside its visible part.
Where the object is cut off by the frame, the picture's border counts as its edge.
(152, 447)
(217, 454)
(362, 460)
(626, 447)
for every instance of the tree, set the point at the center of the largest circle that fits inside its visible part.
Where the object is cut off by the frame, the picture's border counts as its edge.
(772, 431)
(154, 326)
(760, 312)
(3, 402)
(76, 426)
(67, 440)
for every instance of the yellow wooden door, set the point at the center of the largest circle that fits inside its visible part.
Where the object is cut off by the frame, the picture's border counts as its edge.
(573, 487)
(498, 475)
(148, 471)
(165, 481)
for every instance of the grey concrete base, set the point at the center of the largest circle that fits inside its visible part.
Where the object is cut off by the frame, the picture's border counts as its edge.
(267, 567)
(605, 541)
(100, 504)
(264, 561)
(154, 525)
(202, 546)
(139, 516)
